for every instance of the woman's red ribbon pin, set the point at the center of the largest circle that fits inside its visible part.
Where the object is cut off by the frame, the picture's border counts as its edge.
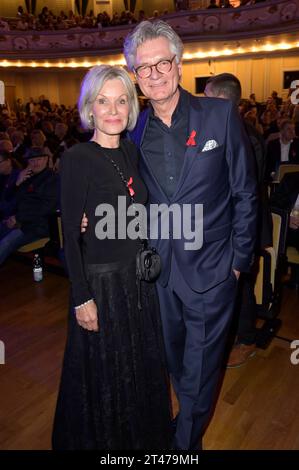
(191, 142)
(129, 186)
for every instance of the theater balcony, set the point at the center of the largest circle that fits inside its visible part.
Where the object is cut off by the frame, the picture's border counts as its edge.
(257, 29)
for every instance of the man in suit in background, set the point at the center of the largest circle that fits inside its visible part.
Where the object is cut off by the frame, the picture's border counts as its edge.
(193, 151)
(285, 149)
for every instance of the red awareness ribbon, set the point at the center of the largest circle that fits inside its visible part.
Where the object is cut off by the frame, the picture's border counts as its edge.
(191, 142)
(129, 186)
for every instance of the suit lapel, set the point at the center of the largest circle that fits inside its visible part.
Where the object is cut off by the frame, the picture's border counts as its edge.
(191, 152)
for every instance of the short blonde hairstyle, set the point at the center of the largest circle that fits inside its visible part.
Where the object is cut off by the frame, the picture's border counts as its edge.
(94, 81)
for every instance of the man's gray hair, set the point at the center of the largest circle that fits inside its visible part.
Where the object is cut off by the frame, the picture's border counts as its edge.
(94, 81)
(146, 31)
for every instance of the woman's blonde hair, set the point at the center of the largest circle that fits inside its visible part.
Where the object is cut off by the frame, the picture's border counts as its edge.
(94, 81)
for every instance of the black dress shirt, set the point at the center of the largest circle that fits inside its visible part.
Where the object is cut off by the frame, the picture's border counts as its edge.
(165, 146)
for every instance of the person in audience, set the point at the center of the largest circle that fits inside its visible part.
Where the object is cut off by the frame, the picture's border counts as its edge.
(38, 139)
(9, 172)
(269, 123)
(4, 25)
(213, 4)
(277, 100)
(19, 147)
(114, 387)
(284, 149)
(36, 199)
(6, 146)
(251, 118)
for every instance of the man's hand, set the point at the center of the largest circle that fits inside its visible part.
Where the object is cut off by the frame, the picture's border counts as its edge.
(10, 222)
(237, 273)
(84, 223)
(87, 316)
(23, 176)
(294, 222)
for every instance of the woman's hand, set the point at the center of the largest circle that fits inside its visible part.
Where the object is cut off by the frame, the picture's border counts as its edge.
(236, 273)
(84, 223)
(87, 316)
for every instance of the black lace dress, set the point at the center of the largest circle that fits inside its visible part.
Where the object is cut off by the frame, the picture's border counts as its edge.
(114, 391)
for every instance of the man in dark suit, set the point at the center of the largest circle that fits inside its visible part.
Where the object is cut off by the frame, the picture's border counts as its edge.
(193, 151)
(285, 149)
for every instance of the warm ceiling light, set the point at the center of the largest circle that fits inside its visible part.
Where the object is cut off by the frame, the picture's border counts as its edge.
(199, 55)
(284, 45)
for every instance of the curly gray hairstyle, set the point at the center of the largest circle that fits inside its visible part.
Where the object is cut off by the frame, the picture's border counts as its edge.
(145, 31)
(92, 84)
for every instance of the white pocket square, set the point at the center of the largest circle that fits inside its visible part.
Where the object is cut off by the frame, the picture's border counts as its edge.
(210, 145)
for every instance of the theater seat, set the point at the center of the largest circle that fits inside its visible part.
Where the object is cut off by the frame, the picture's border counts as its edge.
(34, 246)
(268, 285)
(292, 255)
(286, 168)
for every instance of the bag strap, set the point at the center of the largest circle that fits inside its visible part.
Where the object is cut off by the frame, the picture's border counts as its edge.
(120, 174)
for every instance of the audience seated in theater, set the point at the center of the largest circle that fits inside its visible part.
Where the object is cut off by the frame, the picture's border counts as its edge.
(61, 136)
(251, 117)
(36, 199)
(9, 172)
(19, 147)
(284, 149)
(38, 139)
(269, 124)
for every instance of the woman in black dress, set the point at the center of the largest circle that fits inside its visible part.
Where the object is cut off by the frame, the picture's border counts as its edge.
(114, 387)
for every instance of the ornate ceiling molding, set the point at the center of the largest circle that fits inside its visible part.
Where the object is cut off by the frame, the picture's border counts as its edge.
(260, 20)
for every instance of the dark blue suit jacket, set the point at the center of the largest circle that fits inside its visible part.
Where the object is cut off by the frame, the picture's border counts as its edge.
(223, 180)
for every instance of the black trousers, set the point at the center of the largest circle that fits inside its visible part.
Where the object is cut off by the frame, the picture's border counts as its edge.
(245, 311)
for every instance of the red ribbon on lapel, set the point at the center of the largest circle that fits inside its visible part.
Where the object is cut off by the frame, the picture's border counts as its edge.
(129, 186)
(191, 142)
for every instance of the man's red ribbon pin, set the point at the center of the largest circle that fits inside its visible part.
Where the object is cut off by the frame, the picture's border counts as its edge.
(191, 142)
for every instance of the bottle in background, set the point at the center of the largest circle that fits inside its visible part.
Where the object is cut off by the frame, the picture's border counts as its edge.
(37, 268)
